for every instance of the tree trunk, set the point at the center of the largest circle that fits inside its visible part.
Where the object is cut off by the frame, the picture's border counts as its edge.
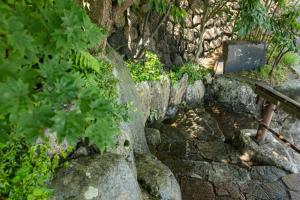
(201, 31)
(277, 60)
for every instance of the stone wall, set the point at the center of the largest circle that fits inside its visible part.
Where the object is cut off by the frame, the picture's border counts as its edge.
(174, 42)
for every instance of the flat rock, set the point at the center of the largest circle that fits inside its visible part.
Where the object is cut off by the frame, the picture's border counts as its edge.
(266, 173)
(213, 172)
(264, 191)
(195, 189)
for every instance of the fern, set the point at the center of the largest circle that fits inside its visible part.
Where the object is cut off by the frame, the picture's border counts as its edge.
(84, 59)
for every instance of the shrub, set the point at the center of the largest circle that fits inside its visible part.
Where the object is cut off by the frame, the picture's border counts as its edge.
(148, 69)
(24, 170)
(194, 72)
(290, 59)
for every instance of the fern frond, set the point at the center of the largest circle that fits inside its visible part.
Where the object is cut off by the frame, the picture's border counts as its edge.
(84, 59)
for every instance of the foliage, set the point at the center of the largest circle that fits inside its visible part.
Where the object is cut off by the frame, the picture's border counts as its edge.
(275, 22)
(262, 74)
(151, 69)
(48, 80)
(252, 16)
(290, 59)
(194, 72)
(162, 7)
(24, 170)
(148, 69)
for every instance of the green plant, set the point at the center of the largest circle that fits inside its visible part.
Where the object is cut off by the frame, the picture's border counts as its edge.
(264, 71)
(25, 170)
(274, 21)
(290, 59)
(49, 80)
(194, 72)
(148, 69)
(164, 6)
(262, 74)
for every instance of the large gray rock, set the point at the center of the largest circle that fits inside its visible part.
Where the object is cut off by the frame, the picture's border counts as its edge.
(96, 178)
(135, 124)
(195, 93)
(160, 94)
(178, 90)
(143, 90)
(156, 178)
(176, 95)
(233, 95)
(273, 152)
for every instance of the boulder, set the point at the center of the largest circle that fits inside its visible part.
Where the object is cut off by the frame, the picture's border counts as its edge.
(156, 178)
(160, 93)
(233, 95)
(195, 93)
(127, 93)
(273, 152)
(143, 90)
(96, 177)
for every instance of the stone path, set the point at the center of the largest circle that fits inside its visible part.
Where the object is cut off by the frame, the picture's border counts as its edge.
(207, 167)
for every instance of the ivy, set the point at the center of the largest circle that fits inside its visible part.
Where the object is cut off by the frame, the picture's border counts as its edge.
(194, 72)
(24, 170)
(148, 69)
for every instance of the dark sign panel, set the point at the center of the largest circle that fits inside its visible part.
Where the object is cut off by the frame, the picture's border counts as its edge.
(243, 55)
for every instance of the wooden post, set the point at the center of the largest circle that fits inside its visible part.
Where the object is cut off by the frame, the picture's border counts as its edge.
(266, 120)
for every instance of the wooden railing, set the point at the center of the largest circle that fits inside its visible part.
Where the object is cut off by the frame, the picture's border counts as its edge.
(273, 99)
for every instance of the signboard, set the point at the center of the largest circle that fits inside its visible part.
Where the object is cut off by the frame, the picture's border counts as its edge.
(243, 55)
